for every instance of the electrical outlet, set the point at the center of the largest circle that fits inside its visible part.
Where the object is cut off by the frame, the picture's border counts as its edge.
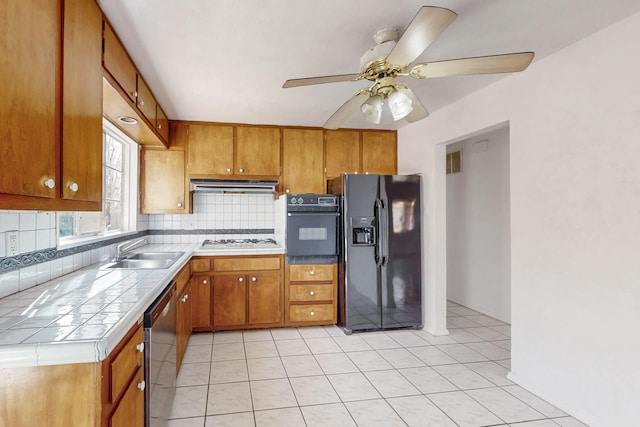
(12, 243)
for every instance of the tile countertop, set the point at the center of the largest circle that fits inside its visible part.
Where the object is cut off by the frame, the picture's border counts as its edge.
(82, 316)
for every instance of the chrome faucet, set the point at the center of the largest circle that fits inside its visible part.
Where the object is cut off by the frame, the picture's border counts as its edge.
(127, 246)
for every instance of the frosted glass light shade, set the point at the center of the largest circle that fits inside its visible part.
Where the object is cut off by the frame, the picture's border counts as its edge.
(372, 109)
(400, 105)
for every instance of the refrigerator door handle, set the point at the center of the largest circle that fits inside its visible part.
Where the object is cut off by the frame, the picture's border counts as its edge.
(384, 232)
(377, 249)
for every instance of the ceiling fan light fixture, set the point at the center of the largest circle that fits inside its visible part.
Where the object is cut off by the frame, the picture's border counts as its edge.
(400, 105)
(372, 109)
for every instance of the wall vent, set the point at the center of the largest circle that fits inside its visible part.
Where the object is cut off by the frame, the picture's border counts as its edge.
(454, 162)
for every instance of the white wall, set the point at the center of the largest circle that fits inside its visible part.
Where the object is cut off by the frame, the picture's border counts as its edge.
(478, 226)
(574, 119)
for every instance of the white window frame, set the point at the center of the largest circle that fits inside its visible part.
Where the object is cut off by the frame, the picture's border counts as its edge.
(130, 191)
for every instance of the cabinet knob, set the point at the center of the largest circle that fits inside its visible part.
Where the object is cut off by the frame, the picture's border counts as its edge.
(142, 385)
(134, 94)
(228, 169)
(179, 204)
(287, 191)
(204, 282)
(313, 313)
(240, 279)
(312, 293)
(73, 187)
(355, 172)
(140, 347)
(366, 173)
(254, 279)
(141, 103)
(159, 125)
(49, 183)
(312, 272)
(184, 298)
(241, 170)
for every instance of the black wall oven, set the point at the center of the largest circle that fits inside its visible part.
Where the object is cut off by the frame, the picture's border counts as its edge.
(312, 228)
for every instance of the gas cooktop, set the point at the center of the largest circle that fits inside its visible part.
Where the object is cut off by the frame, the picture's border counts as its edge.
(239, 243)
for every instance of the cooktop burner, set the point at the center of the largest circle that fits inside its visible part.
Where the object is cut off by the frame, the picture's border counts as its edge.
(240, 243)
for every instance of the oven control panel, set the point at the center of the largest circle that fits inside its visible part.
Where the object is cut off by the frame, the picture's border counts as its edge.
(312, 202)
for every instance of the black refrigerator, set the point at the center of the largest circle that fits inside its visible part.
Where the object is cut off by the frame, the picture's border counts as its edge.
(380, 263)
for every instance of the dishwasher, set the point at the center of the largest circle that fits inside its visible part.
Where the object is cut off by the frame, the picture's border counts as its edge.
(160, 357)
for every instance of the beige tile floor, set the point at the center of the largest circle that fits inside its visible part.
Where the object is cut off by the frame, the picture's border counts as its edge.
(317, 376)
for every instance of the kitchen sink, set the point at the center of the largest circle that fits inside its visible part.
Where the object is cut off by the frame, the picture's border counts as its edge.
(148, 260)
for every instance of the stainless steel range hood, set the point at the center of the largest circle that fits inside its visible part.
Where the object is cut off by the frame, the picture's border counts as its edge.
(234, 186)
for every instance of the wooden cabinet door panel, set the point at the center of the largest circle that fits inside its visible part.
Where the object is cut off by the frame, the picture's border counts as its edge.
(302, 161)
(379, 153)
(29, 50)
(210, 150)
(312, 313)
(257, 151)
(311, 272)
(118, 64)
(125, 363)
(130, 410)
(342, 151)
(183, 325)
(229, 300)
(200, 301)
(265, 298)
(246, 263)
(162, 181)
(82, 102)
(146, 102)
(162, 123)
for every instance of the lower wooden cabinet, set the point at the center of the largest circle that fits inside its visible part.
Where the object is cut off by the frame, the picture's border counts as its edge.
(242, 292)
(130, 409)
(311, 294)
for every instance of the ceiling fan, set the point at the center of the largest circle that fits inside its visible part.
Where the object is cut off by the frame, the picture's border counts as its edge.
(392, 58)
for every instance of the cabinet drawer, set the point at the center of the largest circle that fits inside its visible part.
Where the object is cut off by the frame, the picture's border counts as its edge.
(311, 312)
(130, 410)
(311, 292)
(125, 363)
(308, 272)
(246, 264)
(200, 265)
(183, 278)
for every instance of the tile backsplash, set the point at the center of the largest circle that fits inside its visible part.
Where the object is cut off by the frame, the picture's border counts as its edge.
(214, 216)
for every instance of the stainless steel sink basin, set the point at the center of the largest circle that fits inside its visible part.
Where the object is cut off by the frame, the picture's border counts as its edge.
(156, 255)
(148, 260)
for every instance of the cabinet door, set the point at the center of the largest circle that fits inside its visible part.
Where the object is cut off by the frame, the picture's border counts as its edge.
(183, 324)
(257, 151)
(82, 102)
(302, 159)
(162, 181)
(146, 102)
(162, 123)
(379, 153)
(342, 153)
(29, 48)
(130, 410)
(210, 150)
(200, 302)
(265, 297)
(118, 63)
(229, 300)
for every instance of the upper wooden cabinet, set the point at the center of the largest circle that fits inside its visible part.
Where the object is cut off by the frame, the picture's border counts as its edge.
(210, 150)
(302, 161)
(379, 153)
(368, 152)
(163, 184)
(257, 151)
(129, 95)
(342, 151)
(118, 64)
(51, 151)
(238, 151)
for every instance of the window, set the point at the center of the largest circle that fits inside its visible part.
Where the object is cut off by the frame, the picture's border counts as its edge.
(119, 191)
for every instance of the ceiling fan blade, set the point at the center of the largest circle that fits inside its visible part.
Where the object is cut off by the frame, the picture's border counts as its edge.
(418, 112)
(507, 63)
(320, 80)
(425, 27)
(347, 109)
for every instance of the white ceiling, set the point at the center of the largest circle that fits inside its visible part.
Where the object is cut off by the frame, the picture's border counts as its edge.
(226, 60)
